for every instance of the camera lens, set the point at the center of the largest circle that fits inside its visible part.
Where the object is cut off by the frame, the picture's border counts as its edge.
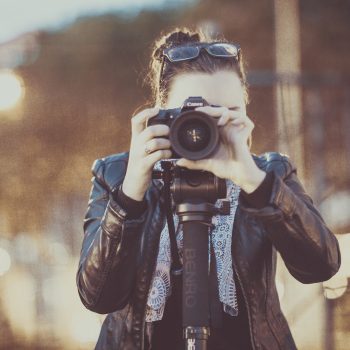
(194, 135)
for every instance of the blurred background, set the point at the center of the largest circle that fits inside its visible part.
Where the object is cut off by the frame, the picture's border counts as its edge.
(71, 76)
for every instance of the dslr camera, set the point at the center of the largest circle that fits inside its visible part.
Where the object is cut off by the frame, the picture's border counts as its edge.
(193, 134)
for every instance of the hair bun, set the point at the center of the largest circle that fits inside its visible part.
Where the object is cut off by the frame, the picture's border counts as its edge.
(179, 37)
(175, 38)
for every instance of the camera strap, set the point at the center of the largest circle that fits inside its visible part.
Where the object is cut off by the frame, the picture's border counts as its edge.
(176, 266)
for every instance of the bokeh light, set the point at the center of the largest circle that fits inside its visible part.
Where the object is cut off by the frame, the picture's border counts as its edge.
(11, 88)
(336, 286)
(85, 327)
(5, 261)
(72, 74)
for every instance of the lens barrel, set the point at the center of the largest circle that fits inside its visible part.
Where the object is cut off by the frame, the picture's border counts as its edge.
(194, 135)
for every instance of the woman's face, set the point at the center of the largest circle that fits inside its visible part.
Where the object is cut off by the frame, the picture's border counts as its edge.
(221, 88)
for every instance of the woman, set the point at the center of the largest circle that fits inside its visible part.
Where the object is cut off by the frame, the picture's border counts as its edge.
(126, 240)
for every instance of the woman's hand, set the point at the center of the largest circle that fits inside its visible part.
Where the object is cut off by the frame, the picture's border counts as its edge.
(146, 148)
(232, 160)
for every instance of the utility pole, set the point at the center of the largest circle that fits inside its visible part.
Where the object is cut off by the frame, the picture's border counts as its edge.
(288, 95)
(288, 99)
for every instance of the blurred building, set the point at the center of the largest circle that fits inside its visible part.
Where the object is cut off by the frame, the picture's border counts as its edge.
(83, 82)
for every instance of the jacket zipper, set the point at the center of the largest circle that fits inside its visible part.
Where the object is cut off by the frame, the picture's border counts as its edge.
(247, 307)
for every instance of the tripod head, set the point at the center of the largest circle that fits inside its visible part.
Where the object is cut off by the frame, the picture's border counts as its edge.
(193, 186)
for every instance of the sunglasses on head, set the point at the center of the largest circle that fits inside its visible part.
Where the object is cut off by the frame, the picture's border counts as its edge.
(191, 51)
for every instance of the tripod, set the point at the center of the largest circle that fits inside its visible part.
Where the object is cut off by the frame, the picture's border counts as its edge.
(194, 192)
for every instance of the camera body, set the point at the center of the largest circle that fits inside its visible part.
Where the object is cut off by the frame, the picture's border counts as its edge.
(193, 134)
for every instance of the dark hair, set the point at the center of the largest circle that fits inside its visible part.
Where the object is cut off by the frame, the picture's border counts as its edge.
(204, 63)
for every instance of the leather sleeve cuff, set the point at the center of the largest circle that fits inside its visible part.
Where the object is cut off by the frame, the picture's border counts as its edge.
(133, 208)
(281, 201)
(113, 219)
(261, 196)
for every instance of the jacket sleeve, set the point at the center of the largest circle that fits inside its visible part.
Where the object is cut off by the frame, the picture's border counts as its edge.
(107, 265)
(296, 229)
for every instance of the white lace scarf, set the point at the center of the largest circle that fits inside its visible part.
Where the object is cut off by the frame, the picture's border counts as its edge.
(221, 238)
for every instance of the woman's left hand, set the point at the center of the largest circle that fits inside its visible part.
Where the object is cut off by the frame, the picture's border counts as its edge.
(232, 160)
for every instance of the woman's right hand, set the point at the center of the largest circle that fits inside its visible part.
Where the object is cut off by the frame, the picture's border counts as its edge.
(139, 171)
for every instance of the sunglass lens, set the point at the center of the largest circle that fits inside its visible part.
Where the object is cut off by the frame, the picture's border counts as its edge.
(182, 53)
(223, 50)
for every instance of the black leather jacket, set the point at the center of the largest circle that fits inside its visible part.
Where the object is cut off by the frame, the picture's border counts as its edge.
(118, 254)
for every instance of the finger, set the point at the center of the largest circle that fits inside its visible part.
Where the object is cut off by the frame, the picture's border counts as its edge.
(212, 111)
(154, 131)
(234, 117)
(243, 122)
(154, 157)
(238, 121)
(157, 144)
(225, 117)
(223, 113)
(250, 123)
(192, 164)
(138, 121)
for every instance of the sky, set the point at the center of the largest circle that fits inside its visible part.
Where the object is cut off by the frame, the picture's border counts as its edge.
(19, 16)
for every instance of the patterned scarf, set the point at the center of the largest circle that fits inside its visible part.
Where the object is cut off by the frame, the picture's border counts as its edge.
(220, 237)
